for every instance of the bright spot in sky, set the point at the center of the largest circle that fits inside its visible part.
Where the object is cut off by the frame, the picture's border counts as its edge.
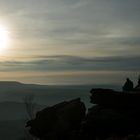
(4, 37)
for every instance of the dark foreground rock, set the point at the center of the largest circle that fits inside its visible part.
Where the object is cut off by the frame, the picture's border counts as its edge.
(115, 113)
(109, 97)
(114, 116)
(59, 122)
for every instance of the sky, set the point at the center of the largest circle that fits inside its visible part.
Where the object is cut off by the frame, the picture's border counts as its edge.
(70, 41)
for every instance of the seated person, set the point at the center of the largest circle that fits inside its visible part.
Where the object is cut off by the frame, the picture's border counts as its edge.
(128, 86)
(138, 86)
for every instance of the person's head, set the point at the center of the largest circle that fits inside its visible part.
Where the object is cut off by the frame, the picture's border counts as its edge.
(127, 79)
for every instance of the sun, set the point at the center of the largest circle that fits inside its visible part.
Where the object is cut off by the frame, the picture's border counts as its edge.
(4, 37)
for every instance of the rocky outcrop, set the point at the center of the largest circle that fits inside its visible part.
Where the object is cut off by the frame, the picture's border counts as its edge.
(114, 98)
(115, 113)
(59, 122)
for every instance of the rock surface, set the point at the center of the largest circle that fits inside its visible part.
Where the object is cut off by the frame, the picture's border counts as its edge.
(116, 115)
(61, 121)
(114, 98)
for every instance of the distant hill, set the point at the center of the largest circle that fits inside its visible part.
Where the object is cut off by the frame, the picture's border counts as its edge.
(12, 95)
(15, 84)
(44, 94)
(9, 83)
(13, 91)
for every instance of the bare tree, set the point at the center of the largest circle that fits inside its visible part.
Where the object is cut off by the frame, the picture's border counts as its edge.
(30, 107)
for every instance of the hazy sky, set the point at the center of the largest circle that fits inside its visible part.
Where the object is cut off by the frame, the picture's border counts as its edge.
(71, 41)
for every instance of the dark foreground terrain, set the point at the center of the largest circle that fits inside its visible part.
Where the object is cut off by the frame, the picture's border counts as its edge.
(116, 116)
(61, 114)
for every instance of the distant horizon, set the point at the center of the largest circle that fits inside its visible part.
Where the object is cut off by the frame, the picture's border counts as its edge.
(111, 86)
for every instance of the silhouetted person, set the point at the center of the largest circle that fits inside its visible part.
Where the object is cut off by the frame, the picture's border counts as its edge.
(128, 86)
(138, 86)
(139, 80)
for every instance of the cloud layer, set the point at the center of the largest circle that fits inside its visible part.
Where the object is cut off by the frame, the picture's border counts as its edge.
(73, 63)
(71, 35)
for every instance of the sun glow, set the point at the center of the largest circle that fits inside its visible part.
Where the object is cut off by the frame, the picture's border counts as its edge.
(4, 37)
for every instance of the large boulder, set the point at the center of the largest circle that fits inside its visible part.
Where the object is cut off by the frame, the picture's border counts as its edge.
(61, 121)
(109, 97)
